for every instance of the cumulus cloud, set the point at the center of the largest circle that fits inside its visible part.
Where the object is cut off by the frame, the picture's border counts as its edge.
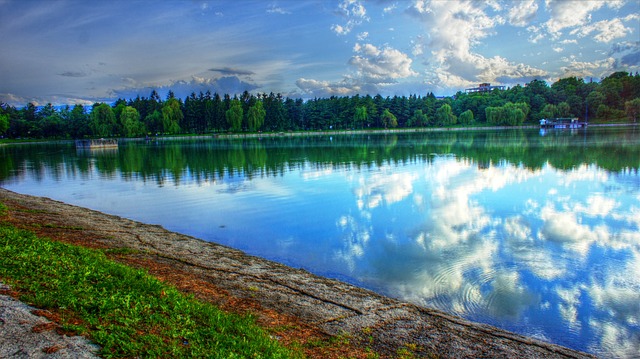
(373, 67)
(568, 14)
(318, 88)
(577, 15)
(565, 226)
(384, 188)
(355, 14)
(455, 29)
(522, 12)
(582, 69)
(605, 30)
(383, 65)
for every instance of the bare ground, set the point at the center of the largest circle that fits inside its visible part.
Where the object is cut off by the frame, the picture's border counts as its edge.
(328, 318)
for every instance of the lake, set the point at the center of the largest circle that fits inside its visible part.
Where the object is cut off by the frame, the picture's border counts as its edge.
(534, 232)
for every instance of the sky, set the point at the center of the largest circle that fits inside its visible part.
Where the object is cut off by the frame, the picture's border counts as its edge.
(87, 51)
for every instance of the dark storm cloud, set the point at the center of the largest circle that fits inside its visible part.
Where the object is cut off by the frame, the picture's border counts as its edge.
(73, 74)
(224, 85)
(232, 71)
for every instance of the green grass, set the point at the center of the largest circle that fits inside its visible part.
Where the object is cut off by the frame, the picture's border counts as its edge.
(124, 310)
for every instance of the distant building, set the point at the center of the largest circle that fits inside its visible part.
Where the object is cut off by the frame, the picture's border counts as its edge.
(484, 87)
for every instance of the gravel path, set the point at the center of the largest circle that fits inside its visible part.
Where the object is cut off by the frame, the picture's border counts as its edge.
(26, 335)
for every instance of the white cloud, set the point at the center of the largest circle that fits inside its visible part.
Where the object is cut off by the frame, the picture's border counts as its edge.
(373, 67)
(455, 30)
(326, 88)
(273, 9)
(354, 12)
(536, 34)
(565, 226)
(597, 206)
(569, 14)
(605, 30)
(522, 12)
(363, 36)
(383, 65)
(340, 30)
(390, 8)
(383, 188)
(568, 307)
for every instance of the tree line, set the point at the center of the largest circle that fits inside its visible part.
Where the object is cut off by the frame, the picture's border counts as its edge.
(615, 97)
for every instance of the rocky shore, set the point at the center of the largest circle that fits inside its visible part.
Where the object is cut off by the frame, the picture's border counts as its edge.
(330, 306)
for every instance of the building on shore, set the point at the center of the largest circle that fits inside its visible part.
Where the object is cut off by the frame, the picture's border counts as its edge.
(484, 87)
(562, 123)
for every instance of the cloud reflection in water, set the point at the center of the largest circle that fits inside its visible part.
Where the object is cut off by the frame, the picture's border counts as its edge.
(543, 251)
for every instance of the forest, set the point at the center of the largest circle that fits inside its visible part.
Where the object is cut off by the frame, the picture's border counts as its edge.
(614, 98)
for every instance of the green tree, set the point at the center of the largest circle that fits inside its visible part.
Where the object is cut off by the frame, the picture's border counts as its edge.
(78, 122)
(4, 123)
(130, 122)
(466, 118)
(102, 120)
(564, 110)
(234, 115)
(255, 116)
(493, 115)
(445, 116)
(171, 116)
(418, 119)
(389, 119)
(361, 116)
(515, 113)
(549, 111)
(631, 108)
(153, 122)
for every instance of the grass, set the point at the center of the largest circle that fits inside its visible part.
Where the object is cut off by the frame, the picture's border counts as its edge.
(124, 310)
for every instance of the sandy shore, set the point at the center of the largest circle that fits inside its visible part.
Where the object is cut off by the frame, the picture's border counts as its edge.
(332, 307)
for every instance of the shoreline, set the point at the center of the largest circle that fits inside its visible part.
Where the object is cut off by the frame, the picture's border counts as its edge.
(234, 135)
(336, 308)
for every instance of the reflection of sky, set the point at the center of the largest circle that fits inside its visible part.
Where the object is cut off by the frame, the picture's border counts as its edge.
(548, 253)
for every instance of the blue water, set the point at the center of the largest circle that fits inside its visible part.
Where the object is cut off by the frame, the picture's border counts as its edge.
(537, 235)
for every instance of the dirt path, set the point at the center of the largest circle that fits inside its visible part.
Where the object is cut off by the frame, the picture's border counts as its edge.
(297, 305)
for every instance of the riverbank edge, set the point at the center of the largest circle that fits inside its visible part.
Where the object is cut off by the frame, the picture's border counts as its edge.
(234, 135)
(231, 135)
(335, 307)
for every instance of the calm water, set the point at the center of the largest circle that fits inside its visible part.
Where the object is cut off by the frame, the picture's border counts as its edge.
(535, 233)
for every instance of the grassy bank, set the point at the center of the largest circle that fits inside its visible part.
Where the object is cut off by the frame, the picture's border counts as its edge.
(124, 310)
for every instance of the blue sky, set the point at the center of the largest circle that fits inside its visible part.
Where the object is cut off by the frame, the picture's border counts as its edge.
(77, 51)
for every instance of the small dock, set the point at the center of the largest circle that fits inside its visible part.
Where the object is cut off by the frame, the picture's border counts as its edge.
(562, 123)
(96, 143)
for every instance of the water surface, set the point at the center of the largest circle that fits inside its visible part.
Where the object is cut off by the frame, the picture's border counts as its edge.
(538, 233)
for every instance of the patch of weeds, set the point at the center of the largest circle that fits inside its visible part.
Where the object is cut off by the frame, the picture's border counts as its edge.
(120, 251)
(124, 310)
(343, 339)
(3, 209)
(35, 211)
(408, 351)
(55, 226)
